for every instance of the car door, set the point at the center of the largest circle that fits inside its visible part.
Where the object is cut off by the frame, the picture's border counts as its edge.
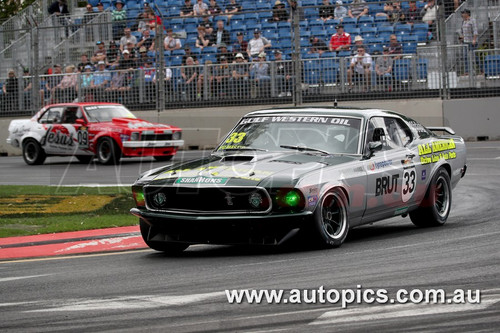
(62, 138)
(391, 175)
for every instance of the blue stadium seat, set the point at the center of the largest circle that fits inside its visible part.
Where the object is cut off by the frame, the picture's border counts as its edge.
(311, 56)
(209, 49)
(180, 52)
(421, 30)
(409, 47)
(352, 30)
(349, 21)
(330, 71)
(401, 70)
(368, 32)
(328, 54)
(422, 66)
(385, 31)
(402, 29)
(365, 20)
(492, 66)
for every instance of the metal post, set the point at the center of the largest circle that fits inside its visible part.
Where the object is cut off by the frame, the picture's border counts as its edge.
(297, 99)
(35, 69)
(160, 72)
(441, 26)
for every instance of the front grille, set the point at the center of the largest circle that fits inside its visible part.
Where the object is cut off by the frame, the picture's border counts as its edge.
(223, 200)
(156, 137)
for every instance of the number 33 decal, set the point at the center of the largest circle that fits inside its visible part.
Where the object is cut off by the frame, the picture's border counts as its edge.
(409, 176)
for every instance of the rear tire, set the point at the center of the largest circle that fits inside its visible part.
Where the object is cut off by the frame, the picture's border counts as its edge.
(163, 158)
(108, 151)
(331, 219)
(33, 153)
(435, 207)
(167, 247)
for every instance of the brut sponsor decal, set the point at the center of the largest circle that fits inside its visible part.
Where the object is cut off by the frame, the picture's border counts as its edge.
(386, 185)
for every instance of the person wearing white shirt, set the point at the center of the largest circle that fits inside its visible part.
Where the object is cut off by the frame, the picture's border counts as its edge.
(360, 68)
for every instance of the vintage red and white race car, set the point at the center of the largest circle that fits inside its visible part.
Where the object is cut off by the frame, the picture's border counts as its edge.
(87, 130)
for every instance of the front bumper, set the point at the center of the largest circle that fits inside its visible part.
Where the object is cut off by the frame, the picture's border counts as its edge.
(153, 144)
(270, 229)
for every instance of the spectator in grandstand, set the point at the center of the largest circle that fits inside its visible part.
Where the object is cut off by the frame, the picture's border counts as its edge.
(412, 14)
(223, 52)
(357, 9)
(119, 19)
(429, 14)
(393, 12)
(187, 9)
(240, 77)
(326, 11)
(100, 81)
(127, 62)
(221, 35)
(128, 37)
(60, 11)
(11, 91)
(360, 69)
(340, 40)
(284, 74)
(84, 61)
(189, 76)
(214, 9)
(358, 42)
(222, 77)
(100, 7)
(53, 80)
(66, 90)
(383, 70)
(119, 84)
(133, 51)
(209, 27)
(450, 6)
(200, 8)
(142, 23)
(143, 56)
(87, 18)
(153, 19)
(86, 83)
(260, 73)
(317, 45)
(395, 47)
(340, 11)
(146, 40)
(170, 42)
(27, 87)
(187, 54)
(113, 54)
(257, 45)
(240, 45)
(202, 40)
(468, 36)
(167, 80)
(232, 8)
(149, 73)
(279, 12)
(295, 10)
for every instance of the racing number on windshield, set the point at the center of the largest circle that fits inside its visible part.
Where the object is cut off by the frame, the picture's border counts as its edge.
(83, 138)
(409, 176)
(236, 137)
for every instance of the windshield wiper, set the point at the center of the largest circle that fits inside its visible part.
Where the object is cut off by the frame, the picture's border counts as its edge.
(236, 149)
(304, 148)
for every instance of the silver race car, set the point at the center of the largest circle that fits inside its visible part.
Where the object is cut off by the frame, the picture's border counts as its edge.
(317, 171)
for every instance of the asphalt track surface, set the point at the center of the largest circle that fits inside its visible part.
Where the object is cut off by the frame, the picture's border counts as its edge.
(142, 290)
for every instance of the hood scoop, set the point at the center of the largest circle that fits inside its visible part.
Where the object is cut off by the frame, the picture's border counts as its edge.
(237, 158)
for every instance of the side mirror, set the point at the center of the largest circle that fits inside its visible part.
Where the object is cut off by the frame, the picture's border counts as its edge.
(80, 121)
(372, 148)
(378, 133)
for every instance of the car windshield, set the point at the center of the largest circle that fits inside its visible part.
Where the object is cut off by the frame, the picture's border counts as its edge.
(100, 113)
(308, 134)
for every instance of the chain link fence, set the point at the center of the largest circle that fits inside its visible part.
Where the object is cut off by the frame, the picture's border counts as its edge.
(82, 58)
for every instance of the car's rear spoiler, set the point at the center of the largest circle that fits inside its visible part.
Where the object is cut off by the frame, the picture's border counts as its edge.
(441, 129)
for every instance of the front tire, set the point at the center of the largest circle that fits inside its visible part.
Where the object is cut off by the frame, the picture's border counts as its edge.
(331, 219)
(167, 247)
(108, 151)
(33, 153)
(435, 207)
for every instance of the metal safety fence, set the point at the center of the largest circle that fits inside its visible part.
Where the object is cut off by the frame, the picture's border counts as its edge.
(262, 53)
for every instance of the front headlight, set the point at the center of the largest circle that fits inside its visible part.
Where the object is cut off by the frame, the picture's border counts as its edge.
(138, 193)
(177, 135)
(135, 136)
(289, 199)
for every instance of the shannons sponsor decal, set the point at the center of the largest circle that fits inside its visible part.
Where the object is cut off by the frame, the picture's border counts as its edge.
(202, 180)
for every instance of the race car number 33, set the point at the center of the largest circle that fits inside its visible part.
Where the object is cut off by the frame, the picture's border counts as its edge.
(409, 176)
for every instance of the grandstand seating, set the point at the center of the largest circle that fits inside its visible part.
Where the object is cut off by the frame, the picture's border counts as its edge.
(492, 66)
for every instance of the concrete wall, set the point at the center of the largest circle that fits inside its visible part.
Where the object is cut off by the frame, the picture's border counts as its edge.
(203, 128)
(472, 118)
